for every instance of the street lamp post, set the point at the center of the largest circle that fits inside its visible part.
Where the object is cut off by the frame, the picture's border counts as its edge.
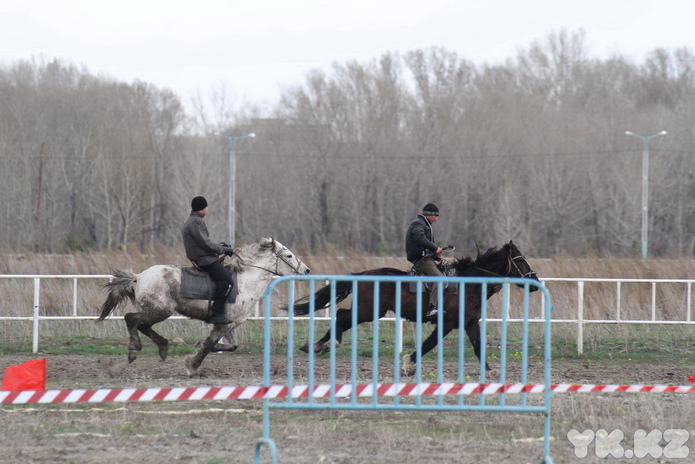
(232, 183)
(645, 185)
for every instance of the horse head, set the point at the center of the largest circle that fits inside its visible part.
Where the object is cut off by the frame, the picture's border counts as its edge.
(507, 261)
(518, 266)
(282, 259)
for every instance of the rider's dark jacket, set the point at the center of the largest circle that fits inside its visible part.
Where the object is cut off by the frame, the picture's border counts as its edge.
(418, 239)
(196, 240)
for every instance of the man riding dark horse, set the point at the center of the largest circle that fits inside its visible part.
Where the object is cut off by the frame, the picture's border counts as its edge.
(423, 252)
(204, 254)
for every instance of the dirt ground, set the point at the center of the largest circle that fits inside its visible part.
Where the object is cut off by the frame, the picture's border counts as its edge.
(216, 432)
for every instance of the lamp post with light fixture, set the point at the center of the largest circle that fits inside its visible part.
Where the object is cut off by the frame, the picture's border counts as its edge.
(645, 185)
(232, 183)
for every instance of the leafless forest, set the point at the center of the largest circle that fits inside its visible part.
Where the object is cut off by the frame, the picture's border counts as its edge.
(532, 150)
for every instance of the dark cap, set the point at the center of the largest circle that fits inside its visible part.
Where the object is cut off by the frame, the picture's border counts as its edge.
(198, 204)
(430, 209)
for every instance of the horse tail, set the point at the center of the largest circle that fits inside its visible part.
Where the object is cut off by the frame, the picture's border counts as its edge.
(322, 298)
(119, 289)
(342, 291)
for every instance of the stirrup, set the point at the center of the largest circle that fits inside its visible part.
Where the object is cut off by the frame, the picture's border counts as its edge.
(219, 319)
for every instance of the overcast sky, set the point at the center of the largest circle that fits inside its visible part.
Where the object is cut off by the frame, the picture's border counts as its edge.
(256, 47)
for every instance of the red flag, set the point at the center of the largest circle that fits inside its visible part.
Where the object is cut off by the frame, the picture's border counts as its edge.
(691, 379)
(30, 375)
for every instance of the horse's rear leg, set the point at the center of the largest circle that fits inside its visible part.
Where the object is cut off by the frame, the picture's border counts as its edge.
(343, 322)
(135, 344)
(134, 323)
(161, 342)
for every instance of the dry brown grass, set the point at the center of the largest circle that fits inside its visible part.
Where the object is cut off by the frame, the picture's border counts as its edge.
(323, 263)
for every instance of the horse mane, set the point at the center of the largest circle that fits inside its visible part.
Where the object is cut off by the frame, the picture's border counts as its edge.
(249, 253)
(468, 265)
(382, 271)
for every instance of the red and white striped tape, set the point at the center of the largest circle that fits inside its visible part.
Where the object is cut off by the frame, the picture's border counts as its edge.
(108, 395)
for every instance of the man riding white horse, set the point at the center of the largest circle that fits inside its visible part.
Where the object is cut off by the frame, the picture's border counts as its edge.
(204, 254)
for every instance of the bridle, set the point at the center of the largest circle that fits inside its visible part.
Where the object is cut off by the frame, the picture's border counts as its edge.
(279, 256)
(511, 263)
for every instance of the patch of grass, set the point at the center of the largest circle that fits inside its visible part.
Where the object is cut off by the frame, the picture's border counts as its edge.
(612, 342)
(15, 346)
(216, 460)
(625, 341)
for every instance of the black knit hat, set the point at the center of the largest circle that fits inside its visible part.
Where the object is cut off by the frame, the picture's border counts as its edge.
(198, 204)
(430, 209)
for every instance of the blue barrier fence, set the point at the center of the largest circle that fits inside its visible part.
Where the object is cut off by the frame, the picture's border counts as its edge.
(337, 381)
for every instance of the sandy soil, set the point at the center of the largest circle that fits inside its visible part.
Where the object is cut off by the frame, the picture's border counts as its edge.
(226, 431)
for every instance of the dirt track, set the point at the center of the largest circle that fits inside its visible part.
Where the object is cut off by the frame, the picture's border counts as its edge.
(226, 431)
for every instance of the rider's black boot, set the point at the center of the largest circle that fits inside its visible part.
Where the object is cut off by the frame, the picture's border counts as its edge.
(431, 313)
(217, 315)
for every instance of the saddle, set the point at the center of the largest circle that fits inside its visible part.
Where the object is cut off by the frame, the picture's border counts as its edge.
(444, 266)
(196, 284)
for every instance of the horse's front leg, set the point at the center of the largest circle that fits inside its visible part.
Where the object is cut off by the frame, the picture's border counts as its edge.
(320, 346)
(409, 363)
(194, 361)
(473, 331)
(228, 342)
(343, 322)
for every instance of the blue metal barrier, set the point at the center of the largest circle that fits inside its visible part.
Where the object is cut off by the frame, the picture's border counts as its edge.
(345, 391)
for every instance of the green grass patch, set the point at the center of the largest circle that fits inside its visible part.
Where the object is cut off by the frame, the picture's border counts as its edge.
(601, 341)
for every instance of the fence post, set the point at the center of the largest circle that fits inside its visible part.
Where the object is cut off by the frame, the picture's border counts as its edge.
(580, 318)
(617, 300)
(688, 301)
(74, 297)
(37, 292)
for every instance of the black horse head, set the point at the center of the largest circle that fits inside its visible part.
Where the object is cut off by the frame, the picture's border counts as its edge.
(520, 267)
(507, 261)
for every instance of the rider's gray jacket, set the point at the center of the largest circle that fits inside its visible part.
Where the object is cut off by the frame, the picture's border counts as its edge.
(418, 239)
(196, 240)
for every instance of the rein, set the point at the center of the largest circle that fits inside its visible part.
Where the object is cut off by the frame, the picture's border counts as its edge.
(510, 262)
(278, 258)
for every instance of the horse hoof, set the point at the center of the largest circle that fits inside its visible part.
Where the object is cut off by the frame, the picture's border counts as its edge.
(225, 347)
(132, 357)
(305, 348)
(190, 370)
(407, 367)
(163, 353)
(321, 349)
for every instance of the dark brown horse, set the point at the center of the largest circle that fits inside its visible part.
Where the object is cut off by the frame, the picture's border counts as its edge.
(504, 262)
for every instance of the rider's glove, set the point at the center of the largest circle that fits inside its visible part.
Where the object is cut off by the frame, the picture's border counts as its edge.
(229, 251)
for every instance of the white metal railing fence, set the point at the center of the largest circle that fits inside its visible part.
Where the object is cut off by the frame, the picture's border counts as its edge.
(617, 309)
(615, 313)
